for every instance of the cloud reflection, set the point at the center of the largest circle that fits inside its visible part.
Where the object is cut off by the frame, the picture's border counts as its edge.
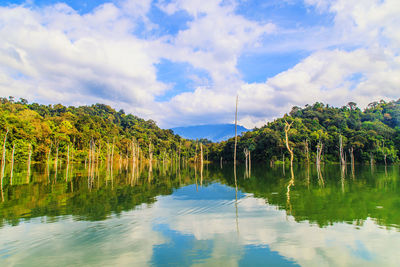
(191, 229)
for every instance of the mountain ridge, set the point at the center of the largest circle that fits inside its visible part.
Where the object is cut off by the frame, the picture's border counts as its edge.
(212, 132)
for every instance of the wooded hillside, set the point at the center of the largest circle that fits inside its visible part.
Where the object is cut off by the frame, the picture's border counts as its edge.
(46, 127)
(373, 133)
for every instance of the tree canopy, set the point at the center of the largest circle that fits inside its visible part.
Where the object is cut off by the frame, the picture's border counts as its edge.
(45, 126)
(373, 132)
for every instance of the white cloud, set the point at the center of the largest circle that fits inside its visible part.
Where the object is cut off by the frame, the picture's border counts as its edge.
(81, 59)
(215, 39)
(365, 44)
(55, 54)
(65, 57)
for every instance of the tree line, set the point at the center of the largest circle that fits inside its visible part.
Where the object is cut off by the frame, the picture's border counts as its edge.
(336, 134)
(32, 131)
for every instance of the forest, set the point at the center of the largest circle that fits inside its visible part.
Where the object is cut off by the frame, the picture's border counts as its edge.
(371, 135)
(39, 132)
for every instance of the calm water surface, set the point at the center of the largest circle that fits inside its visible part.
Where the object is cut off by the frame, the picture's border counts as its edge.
(185, 217)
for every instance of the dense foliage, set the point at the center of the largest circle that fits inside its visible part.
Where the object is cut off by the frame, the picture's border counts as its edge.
(44, 126)
(374, 132)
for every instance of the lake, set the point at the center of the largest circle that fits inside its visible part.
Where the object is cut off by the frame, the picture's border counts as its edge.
(184, 216)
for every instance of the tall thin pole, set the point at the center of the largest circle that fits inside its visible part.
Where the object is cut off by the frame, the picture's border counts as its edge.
(234, 166)
(234, 156)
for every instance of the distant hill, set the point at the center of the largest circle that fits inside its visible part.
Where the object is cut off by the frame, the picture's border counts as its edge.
(213, 132)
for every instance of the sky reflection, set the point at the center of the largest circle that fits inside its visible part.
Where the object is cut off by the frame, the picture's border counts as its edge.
(198, 225)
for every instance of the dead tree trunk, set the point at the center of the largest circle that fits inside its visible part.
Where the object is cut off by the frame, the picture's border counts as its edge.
(28, 176)
(163, 160)
(179, 155)
(112, 154)
(120, 161)
(89, 172)
(99, 155)
(342, 176)
(139, 159)
(307, 151)
(66, 172)
(48, 155)
(351, 152)
(290, 184)
(249, 163)
(287, 128)
(108, 156)
(371, 156)
(201, 154)
(93, 159)
(246, 156)
(201, 164)
(127, 158)
(319, 152)
(341, 152)
(56, 160)
(384, 152)
(195, 156)
(320, 147)
(48, 162)
(12, 165)
(133, 157)
(150, 161)
(134, 152)
(3, 159)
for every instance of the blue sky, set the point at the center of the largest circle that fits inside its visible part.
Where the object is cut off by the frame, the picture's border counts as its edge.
(81, 6)
(183, 62)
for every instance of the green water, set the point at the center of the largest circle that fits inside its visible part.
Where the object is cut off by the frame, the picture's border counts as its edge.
(182, 217)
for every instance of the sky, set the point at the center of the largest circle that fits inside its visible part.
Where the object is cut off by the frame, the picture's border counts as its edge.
(182, 62)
